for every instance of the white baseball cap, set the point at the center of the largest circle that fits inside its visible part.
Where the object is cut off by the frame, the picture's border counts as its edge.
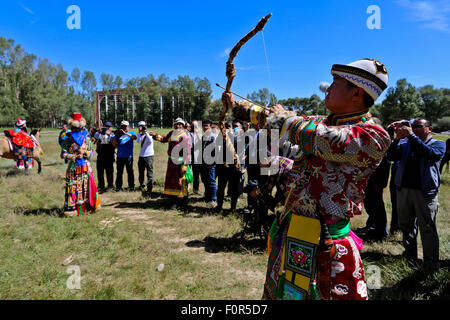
(142, 123)
(179, 120)
(124, 123)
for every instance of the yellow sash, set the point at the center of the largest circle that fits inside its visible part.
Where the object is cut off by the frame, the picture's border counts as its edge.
(298, 259)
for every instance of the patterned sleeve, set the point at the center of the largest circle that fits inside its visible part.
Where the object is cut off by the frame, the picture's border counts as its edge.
(65, 149)
(284, 164)
(163, 139)
(361, 145)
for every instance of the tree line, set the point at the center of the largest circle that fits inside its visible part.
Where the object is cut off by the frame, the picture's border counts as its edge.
(46, 95)
(402, 101)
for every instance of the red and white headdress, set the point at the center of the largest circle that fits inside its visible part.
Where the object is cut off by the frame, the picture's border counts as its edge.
(20, 123)
(77, 121)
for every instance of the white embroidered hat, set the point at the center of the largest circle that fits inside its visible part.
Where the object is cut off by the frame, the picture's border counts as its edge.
(124, 123)
(369, 74)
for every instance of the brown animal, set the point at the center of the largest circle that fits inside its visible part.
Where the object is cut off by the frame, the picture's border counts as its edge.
(7, 153)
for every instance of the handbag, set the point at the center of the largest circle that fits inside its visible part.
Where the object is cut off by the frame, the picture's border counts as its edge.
(189, 175)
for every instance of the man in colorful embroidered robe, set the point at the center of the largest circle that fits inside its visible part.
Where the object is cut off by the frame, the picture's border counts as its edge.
(325, 187)
(179, 151)
(81, 195)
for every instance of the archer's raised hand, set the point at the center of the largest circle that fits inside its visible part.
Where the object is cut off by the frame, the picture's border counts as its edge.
(228, 100)
(276, 108)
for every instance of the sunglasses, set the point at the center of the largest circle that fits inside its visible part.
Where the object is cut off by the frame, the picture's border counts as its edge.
(417, 126)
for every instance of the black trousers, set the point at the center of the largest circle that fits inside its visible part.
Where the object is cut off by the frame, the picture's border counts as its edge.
(374, 205)
(105, 165)
(146, 163)
(234, 178)
(393, 191)
(128, 163)
(254, 175)
(196, 168)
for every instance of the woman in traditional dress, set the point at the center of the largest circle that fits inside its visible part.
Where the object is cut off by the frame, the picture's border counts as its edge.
(179, 150)
(81, 191)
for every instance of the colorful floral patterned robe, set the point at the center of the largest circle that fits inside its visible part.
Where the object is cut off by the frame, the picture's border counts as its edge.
(337, 155)
(81, 194)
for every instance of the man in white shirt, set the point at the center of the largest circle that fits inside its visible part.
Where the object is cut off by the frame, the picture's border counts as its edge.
(145, 157)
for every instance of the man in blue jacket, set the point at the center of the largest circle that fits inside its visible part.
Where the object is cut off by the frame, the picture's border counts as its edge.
(418, 180)
(123, 140)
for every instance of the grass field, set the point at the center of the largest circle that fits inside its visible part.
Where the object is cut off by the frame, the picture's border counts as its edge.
(119, 248)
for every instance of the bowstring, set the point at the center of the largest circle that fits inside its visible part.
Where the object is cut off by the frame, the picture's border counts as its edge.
(267, 64)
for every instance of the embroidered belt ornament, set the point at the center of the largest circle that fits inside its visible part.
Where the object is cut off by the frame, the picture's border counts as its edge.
(298, 259)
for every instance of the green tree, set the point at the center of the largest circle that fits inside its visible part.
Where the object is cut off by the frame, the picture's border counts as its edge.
(435, 104)
(214, 110)
(88, 84)
(118, 82)
(107, 81)
(305, 106)
(401, 102)
(263, 96)
(75, 78)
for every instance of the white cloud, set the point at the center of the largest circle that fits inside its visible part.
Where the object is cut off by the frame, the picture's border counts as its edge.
(430, 14)
(225, 53)
(26, 8)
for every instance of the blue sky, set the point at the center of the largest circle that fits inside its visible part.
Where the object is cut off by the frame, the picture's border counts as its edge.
(303, 39)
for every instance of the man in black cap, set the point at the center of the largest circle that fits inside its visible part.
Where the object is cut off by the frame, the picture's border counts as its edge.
(105, 156)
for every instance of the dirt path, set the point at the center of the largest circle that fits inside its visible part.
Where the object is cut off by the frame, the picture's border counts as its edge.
(172, 226)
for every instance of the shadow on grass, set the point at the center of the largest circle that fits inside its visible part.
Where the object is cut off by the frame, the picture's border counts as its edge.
(197, 199)
(54, 164)
(374, 256)
(156, 201)
(234, 244)
(416, 283)
(56, 212)
(159, 201)
(419, 285)
(202, 211)
(12, 172)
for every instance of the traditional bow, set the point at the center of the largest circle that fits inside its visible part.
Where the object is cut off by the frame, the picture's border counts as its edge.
(230, 73)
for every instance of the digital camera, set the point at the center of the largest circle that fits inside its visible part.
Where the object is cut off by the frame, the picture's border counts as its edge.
(405, 123)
